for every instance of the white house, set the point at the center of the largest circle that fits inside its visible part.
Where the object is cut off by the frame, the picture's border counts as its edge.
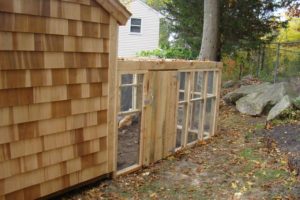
(141, 31)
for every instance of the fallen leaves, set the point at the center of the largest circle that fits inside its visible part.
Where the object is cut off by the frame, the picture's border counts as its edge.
(227, 167)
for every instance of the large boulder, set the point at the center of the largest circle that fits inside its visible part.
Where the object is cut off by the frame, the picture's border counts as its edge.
(232, 97)
(246, 106)
(229, 84)
(281, 106)
(255, 102)
(296, 102)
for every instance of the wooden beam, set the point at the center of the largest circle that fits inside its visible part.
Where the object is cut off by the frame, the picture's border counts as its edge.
(217, 103)
(112, 96)
(202, 117)
(116, 9)
(157, 65)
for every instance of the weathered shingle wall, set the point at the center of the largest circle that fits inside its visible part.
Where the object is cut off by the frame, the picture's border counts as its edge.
(54, 60)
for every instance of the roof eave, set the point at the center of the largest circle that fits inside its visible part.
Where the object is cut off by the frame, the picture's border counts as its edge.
(116, 9)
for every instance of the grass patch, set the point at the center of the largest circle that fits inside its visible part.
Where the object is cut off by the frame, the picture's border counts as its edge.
(249, 166)
(264, 175)
(249, 154)
(150, 187)
(259, 126)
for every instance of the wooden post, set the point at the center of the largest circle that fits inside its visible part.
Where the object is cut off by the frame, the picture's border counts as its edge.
(277, 62)
(204, 95)
(112, 138)
(217, 101)
(187, 108)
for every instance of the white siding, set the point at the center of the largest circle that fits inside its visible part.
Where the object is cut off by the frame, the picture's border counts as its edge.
(131, 43)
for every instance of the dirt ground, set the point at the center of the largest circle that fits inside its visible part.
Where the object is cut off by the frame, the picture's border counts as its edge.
(287, 139)
(235, 164)
(128, 146)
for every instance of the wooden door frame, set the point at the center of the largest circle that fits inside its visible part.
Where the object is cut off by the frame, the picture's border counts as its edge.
(137, 166)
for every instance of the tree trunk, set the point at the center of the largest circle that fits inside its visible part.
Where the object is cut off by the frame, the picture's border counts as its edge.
(210, 47)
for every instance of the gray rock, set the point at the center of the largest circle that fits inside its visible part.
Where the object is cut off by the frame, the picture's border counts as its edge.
(232, 97)
(247, 106)
(229, 84)
(281, 106)
(255, 102)
(296, 102)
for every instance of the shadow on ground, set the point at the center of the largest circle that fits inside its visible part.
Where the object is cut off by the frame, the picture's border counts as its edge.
(235, 164)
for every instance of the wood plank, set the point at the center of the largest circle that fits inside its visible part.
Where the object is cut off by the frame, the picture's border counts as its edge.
(55, 9)
(202, 115)
(147, 116)
(45, 174)
(217, 102)
(160, 114)
(51, 43)
(43, 111)
(51, 60)
(36, 145)
(16, 97)
(142, 64)
(84, 2)
(29, 130)
(187, 108)
(171, 113)
(45, 25)
(10, 79)
(112, 95)
(14, 167)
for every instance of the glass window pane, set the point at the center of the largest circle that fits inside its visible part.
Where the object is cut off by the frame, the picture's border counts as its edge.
(194, 121)
(181, 96)
(126, 99)
(179, 140)
(181, 115)
(195, 115)
(135, 21)
(211, 83)
(135, 29)
(182, 85)
(209, 116)
(126, 79)
(198, 85)
(128, 140)
(182, 79)
(192, 137)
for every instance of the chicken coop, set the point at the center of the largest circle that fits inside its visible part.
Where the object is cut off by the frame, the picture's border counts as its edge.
(71, 112)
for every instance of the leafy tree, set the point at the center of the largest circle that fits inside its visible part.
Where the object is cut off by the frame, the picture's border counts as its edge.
(244, 24)
(294, 9)
(292, 32)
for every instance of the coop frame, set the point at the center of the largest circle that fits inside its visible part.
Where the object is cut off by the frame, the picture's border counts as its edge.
(146, 66)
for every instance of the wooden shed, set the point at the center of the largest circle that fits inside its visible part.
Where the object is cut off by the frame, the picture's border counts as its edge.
(57, 60)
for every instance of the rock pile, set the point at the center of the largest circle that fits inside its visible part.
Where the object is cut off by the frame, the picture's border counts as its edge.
(257, 99)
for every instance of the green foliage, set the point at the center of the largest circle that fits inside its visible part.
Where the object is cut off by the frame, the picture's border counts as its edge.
(264, 175)
(157, 4)
(296, 102)
(292, 32)
(244, 24)
(171, 52)
(290, 114)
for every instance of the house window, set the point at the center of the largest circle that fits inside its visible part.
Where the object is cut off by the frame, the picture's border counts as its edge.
(136, 25)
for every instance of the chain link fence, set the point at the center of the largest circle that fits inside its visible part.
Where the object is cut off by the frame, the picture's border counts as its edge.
(278, 61)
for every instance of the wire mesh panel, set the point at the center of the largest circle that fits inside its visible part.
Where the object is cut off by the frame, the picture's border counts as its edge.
(129, 120)
(196, 106)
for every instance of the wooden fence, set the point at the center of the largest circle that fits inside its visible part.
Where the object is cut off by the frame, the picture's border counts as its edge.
(177, 100)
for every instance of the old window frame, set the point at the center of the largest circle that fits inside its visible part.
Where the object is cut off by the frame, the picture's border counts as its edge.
(135, 25)
(189, 100)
